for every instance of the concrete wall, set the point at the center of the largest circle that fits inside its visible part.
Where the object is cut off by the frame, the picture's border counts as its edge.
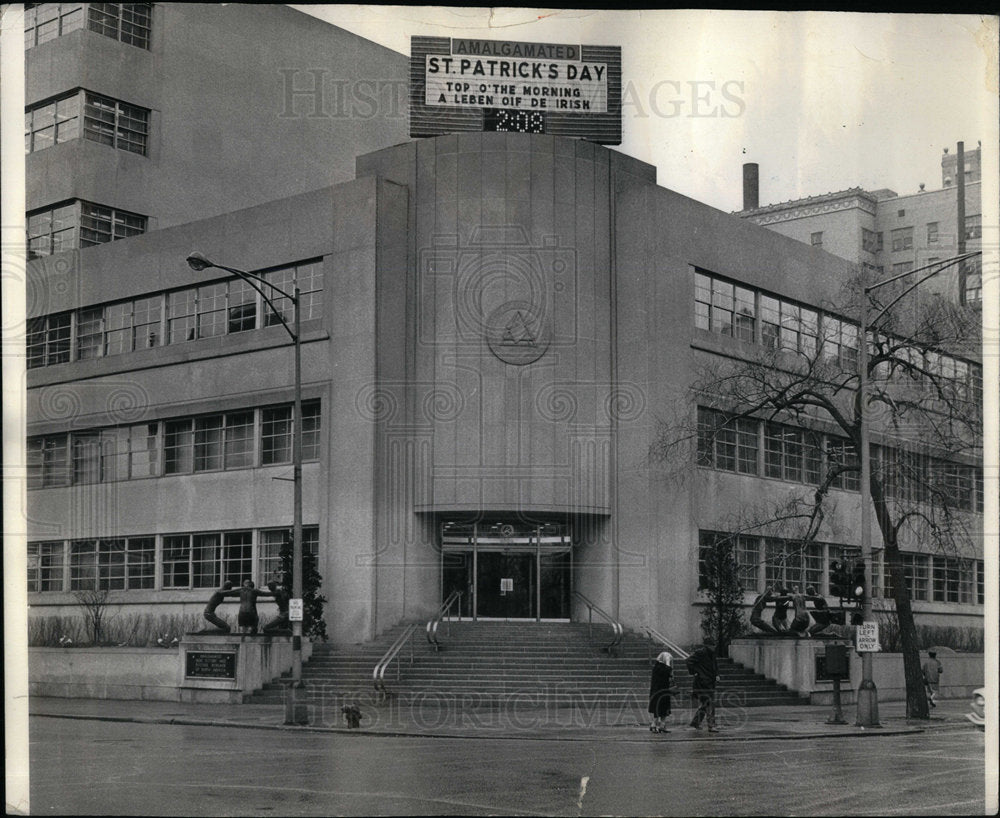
(225, 134)
(791, 662)
(150, 674)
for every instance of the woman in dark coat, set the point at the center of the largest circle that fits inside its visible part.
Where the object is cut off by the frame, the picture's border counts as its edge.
(659, 692)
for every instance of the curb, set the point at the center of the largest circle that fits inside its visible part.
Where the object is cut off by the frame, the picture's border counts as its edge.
(682, 736)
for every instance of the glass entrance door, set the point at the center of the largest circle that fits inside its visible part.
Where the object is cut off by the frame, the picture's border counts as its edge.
(508, 571)
(505, 586)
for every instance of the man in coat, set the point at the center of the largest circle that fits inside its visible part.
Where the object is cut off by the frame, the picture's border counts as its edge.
(704, 669)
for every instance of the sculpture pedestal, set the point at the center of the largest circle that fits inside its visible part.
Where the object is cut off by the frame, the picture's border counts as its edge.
(226, 668)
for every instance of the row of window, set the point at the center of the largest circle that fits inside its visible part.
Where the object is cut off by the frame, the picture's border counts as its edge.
(105, 120)
(902, 237)
(749, 315)
(208, 310)
(772, 562)
(126, 22)
(229, 440)
(75, 224)
(757, 447)
(168, 561)
(797, 455)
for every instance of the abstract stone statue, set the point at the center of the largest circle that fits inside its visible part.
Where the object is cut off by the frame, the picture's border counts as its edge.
(214, 601)
(248, 618)
(281, 597)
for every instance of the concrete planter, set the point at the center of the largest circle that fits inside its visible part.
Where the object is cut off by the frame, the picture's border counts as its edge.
(152, 674)
(792, 662)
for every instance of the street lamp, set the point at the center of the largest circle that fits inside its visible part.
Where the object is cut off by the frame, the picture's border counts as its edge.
(296, 712)
(867, 694)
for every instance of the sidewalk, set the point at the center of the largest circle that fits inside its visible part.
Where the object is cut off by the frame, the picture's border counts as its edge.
(438, 719)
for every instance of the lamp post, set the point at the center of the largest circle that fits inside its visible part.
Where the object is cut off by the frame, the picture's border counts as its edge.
(867, 715)
(296, 712)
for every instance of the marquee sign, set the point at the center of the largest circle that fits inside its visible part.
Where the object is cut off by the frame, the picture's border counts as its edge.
(498, 85)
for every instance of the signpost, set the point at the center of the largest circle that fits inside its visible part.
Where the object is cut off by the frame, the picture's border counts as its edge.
(867, 638)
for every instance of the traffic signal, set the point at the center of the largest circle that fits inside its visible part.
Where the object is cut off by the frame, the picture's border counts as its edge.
(858, 581)
(839, 580)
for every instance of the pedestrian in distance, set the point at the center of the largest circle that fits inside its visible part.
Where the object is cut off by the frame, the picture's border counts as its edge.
(660, 691)
(704, 668)
(214, 601)
(932, 670)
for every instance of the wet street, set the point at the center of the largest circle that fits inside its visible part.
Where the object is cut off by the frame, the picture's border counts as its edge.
(84, 767)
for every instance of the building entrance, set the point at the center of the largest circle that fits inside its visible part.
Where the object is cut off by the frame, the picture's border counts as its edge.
(508, 570)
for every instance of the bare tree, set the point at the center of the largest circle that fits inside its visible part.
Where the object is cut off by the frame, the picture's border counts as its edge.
(924, 413)
(96, 604)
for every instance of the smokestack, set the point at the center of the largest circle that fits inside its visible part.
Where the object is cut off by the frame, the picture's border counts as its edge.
(751, 186)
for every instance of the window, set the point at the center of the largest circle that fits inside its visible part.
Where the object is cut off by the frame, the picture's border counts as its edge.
(308, 275)
(974, 226)
(52, 123)
(932, 232)
(116, 564)
(729, 444)
(99, 224)
(947, 576)
(52, 230)
(902, 267)
(242, 306)
(46, 21)
(48, 340)
(770, 318)
(209, 443)
(980, 580)
(879, 243)
(47, 461)
(792, 454)
(115, 123)
(816, 239)
(840, 342)
(901, 213)
(902, 239)
(799, 328)
(276, 433)
(207, 560)
(868, 242)
(127, 22)
(45, 566)
(723, 307)
(840, 454)
(748, 562)
(973, 280)
(269, 558)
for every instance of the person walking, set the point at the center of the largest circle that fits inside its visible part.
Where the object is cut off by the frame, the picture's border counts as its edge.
(659, 692)
(932, 670)
(704, 668)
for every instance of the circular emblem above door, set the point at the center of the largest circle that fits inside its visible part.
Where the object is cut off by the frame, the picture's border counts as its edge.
(518, 333)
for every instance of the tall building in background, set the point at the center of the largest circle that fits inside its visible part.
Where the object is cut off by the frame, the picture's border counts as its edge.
(492, 322)
(885, 232)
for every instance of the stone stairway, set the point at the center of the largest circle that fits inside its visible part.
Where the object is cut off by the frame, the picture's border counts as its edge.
(496, 664)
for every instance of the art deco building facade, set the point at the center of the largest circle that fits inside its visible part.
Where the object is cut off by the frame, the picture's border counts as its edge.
(492, 325)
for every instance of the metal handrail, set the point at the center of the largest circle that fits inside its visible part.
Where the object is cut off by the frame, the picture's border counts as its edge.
(616, 627)
(378, 675)
(655, 636)
(435, 621)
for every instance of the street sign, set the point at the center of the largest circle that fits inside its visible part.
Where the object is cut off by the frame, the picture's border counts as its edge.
(294, 610)
(867, 638)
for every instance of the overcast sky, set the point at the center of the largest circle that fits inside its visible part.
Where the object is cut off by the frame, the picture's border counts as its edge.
(821, 100)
